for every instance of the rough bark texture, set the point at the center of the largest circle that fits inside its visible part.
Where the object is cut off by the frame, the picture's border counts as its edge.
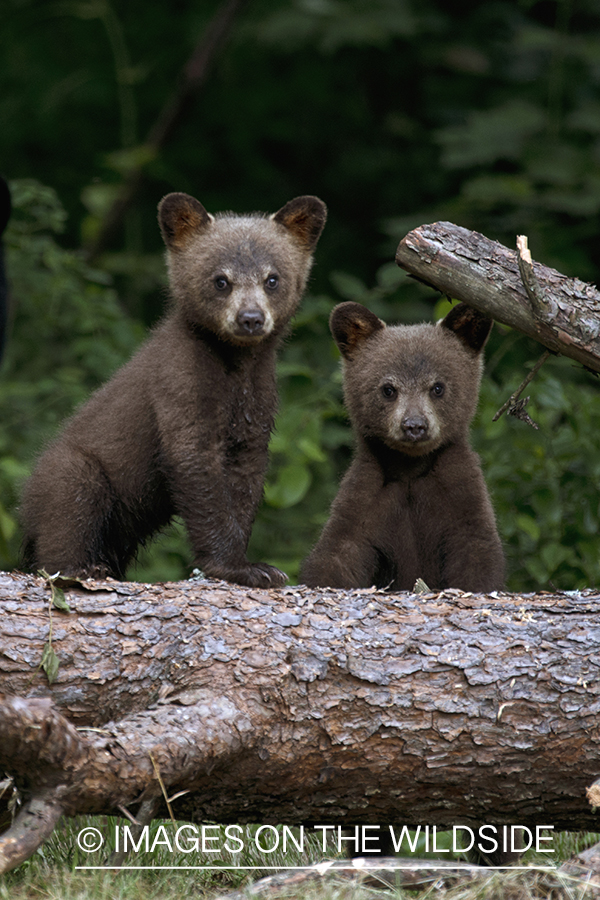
(469, 267)
(295, 705)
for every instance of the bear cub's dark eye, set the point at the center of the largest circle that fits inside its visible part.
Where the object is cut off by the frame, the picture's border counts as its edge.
(438, 389)
(388, 391)
(272, 282)
(221, 283)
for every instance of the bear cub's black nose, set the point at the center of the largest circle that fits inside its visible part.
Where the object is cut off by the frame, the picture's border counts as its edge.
(251, 320)
(415, 428)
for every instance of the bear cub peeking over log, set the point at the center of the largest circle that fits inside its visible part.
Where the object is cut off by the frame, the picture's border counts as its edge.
(413, 503)
(183, 428)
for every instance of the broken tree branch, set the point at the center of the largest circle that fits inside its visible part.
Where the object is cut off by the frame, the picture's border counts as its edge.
(510, 403)
(539, 302)
(467, 266)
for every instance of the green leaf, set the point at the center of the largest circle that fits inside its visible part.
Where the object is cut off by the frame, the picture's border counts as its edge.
(537, 570)
(50, 663)
(99, 197)
(290, 486)
(58, 599)
(555, 554)
(311, 450)
(8, 524)
(125, 161)
(529, 526)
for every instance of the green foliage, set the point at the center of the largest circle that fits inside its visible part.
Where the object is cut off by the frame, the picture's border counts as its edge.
(331, 24)
(68, 334)
(546, 484)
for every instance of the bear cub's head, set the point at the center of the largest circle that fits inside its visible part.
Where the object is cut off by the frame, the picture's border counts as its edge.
(240, 277)
(414, 388)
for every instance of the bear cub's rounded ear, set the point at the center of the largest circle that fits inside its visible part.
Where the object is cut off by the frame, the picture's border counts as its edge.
(180, 216)
(305, 217)
(469, 325)
(350, 324)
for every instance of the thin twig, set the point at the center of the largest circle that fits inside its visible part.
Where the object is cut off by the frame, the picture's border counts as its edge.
(162, 787)
(519, 412)
(126, 813)
(145, 814)
(516, 394)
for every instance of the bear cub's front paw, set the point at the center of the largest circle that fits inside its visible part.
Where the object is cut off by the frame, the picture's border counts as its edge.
(262, 575)
(247, 573)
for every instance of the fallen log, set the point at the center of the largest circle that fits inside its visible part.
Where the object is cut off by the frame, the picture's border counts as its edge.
(561, 313)
(296, 705)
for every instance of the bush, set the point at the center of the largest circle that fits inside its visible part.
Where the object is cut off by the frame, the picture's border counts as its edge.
(67, 334)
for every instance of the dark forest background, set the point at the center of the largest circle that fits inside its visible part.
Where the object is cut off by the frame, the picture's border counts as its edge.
(395, 113)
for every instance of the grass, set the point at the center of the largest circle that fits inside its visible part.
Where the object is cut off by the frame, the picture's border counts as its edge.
(53, 874)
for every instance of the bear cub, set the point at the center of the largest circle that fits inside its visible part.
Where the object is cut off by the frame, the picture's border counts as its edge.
(183, 428)
(413, 503)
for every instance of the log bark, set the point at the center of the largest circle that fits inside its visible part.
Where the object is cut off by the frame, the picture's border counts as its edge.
(563, 314)
(295, 705)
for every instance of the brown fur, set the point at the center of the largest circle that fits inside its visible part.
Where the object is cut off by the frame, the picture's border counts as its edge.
(184, 426)
(413, 503)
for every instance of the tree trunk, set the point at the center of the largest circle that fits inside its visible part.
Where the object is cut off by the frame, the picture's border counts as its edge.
(297, 705)
(561, 313)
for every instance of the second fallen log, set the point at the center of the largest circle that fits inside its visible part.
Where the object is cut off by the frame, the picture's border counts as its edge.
(467, 266)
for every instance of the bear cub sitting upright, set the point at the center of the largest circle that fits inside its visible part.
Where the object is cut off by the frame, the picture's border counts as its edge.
(413, 503)
(184, 427)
